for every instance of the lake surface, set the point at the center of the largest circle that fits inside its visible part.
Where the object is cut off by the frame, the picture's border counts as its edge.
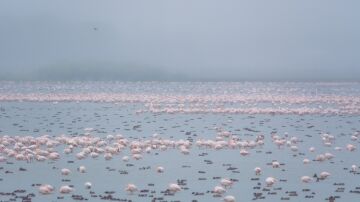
(189, 112)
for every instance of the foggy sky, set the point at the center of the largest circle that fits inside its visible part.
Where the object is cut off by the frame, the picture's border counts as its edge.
(180, 40)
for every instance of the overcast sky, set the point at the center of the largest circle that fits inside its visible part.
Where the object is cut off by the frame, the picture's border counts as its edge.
(180, 40)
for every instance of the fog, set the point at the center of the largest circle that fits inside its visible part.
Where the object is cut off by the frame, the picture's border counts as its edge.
(180, 40)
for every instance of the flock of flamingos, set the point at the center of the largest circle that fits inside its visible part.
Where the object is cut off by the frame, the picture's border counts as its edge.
(33, 149)
(45, 148)
(219, 103)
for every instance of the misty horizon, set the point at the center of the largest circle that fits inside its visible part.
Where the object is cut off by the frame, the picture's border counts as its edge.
(136, 73)
(180, 40)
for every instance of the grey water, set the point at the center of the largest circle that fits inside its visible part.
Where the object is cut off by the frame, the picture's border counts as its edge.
(199, 172)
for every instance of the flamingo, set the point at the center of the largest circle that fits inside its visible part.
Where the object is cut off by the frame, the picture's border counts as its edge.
(65, 189)
(275, 164)
(125, 158)
(354, 168)
(88, 185)
(320, 157)
(328, 155)
(229, 198)
(174, 187)
(46, 189)
(306, 179)
(131, 188)
(324, 175)
(160, 169)
(65, 171)
(82, 169)
(270, 181)
(294, 148)
(108, 156)
(350, 147)
(137, 156)
(244, 152)
(226, 183)
(257, 170)
(218, 190)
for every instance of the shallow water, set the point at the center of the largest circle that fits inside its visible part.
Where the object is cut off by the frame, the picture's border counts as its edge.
(200, 171)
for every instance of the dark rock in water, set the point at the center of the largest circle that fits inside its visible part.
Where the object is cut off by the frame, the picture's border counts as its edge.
(340, 189)
(331, 199)
(78, 198)
(251, 130)
(123, 172)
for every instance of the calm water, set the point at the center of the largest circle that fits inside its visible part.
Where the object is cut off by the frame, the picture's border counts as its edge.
(202, 169)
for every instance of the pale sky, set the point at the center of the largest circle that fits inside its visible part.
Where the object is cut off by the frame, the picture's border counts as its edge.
(180, 40)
